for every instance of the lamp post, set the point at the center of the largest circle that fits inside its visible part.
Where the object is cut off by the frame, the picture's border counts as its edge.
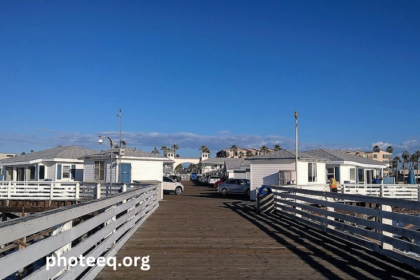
(296, 143)
(120, 116)
(100, 141)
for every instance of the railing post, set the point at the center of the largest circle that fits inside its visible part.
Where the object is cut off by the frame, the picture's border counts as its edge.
(9, 193)
(98, 191)
(77, 192)
(56, 230)
(51, 194)
(385, 208)
(330, 209)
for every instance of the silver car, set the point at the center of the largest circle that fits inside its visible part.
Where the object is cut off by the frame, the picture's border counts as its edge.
(237, 186)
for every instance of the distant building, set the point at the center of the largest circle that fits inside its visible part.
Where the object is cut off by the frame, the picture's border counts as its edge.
(6, 155)
(380, 156)
(240, 153)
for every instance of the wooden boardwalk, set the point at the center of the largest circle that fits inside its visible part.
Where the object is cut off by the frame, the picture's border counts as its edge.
(201, 235)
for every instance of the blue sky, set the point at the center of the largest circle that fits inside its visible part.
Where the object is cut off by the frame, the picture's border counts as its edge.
(212, 73)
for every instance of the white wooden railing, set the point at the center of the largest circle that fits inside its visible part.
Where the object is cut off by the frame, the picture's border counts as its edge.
(35, 190)
(90, 229)
(344, 216)
(403, 191)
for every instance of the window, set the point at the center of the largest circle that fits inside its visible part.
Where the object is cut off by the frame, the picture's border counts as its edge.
(330, 173)
(30, 173)
(168, 180)
(312, 172)
(352, 174)
(66, 172)
(9, 173)
(99, 170)
(375, 156)
(361, 175)
(41, 172)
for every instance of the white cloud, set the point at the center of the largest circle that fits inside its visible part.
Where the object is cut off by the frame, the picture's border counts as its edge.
(188, 142)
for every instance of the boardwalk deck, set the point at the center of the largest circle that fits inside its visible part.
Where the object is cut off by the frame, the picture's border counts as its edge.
(201, 235)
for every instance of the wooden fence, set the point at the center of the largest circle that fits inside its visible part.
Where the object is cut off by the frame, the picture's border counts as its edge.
(89, 229)
(385, 225)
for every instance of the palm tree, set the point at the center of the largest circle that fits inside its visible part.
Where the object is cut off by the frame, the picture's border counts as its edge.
(263, 149)
(376, 149)
(418, 158)
(413, 159)
(249, 153)
(389, 149)
(155, 151)
(164, 149)
(235, 150)
(395, 163)
(204, 149)
(175, 147)
(277, 147)
(406, 157)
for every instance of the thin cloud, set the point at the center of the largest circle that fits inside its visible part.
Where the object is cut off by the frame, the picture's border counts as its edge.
(186, 141)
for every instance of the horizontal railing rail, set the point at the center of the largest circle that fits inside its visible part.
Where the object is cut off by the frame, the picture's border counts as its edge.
(55, 190)
(39, 190)
(403, 191)
(386, 225)
(89, 229)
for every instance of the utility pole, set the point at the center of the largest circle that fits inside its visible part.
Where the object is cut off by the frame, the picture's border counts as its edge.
(296, 148)
(120, 116)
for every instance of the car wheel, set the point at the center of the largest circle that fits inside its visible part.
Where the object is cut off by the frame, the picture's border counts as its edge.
(178, 190)
(248, 192)
(224, 191)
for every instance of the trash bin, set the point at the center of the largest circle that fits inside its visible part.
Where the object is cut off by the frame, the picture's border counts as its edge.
(265, 200)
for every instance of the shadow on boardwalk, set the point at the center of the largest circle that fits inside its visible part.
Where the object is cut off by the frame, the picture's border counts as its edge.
(353, 260)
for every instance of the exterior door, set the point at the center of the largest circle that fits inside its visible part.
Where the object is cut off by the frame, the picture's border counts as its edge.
(125, 173)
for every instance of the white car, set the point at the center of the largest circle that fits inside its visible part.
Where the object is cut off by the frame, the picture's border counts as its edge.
(170, 185)
(213, 179)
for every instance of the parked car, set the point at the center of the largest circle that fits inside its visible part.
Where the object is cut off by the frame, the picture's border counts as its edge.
(213, 179)
(170, 186)
(219, 182)
(193, 176)
(175, 178)
(234, 186)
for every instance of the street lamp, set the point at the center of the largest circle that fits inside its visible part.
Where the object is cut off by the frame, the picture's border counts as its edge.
(296, 143)
(100, 141)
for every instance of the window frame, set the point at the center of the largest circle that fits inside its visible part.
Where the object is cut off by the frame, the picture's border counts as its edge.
(97, 170)
(312, 172)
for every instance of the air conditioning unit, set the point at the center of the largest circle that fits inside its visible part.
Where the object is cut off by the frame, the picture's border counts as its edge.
(122, 152)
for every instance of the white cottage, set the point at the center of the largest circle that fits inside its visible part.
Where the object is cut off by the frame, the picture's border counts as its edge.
(236, 168)
(56, 164)
(128, 166)
(271, 168)
(346, 168)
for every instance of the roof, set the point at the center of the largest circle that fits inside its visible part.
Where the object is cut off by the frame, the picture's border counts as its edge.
(214, 161)
(334, 155)
(234, 163)
(65, 152)
(128, 152)
(287, 154)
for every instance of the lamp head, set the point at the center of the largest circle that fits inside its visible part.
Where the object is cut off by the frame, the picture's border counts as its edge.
(100, 141)
(296, 115)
